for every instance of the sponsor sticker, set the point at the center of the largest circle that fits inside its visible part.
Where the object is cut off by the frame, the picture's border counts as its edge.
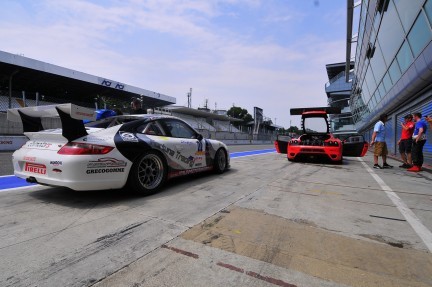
(105, 170)
(188, 171)
(5, 142)
(36, 144)
(56, 163)
(187, 142)
(35, 168)
(29, 158)
(106, 162)
(128, 137)
(95, 139)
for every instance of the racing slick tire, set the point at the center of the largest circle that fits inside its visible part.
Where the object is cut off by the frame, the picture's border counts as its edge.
(148, 173)
(220, 161)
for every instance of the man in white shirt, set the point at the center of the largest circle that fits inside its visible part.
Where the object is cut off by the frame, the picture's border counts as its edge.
(378, 140)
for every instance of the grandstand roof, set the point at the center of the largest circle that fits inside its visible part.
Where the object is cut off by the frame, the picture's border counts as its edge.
(35, 76)
(334, 69)
(200, 113)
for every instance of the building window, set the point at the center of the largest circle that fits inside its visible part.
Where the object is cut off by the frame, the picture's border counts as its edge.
(394, 71)
(419, 35)
(387, 82)
(408, 11)
(370, 80)
(391, 33)
(378, 65)
(382, 90)
(428, 10)
(404, 57)
(365, 93)
(377, 97)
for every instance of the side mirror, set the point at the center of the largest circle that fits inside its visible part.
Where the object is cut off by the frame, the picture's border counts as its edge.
(199, 137)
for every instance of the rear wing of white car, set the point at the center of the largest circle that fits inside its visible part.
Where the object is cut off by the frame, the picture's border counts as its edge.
(71, 117)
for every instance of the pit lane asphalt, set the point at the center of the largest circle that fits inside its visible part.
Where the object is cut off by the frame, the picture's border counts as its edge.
(266, 222)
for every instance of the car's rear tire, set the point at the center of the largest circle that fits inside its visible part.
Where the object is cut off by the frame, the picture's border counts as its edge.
(220, 161)
(148, 173)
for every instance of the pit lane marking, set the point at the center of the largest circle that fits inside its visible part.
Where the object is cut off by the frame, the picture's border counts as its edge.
(258, 276)
(11, 182)
(421, 230)
(251, 153)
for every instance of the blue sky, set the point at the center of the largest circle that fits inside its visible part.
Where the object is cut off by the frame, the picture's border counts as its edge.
(266, 53)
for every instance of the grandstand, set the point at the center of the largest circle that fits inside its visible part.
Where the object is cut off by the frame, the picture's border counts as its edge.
(26, 82)
(22, 77)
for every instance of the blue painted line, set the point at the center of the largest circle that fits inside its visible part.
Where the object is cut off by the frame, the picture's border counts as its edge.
(12, 181)
(252, 152)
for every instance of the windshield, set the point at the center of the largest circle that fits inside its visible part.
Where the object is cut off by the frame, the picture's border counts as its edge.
(315, 125)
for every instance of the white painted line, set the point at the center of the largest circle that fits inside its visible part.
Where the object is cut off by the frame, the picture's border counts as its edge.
(410, 217)
(6, 175)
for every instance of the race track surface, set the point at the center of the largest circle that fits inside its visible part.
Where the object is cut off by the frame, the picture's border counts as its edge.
(265, 222)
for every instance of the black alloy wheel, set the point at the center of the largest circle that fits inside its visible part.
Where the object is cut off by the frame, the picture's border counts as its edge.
(148, 173)
(220, 161)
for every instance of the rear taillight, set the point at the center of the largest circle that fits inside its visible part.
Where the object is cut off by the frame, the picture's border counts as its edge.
(84, 148)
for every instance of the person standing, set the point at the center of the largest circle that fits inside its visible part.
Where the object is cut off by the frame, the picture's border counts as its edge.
(405, 142)
(419, 140)
(378, 139)
(429, 120)
(136, 107)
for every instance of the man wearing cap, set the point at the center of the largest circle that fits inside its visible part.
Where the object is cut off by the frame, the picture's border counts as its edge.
(378, 139)
(419, 140)
(405, 142)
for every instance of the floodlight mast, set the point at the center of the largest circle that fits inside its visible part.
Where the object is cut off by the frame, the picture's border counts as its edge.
(189, 96)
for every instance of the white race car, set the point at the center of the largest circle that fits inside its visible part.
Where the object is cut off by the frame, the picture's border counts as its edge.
(138, 151)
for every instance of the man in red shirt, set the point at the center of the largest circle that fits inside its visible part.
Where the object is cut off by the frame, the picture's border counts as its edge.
(405, 142)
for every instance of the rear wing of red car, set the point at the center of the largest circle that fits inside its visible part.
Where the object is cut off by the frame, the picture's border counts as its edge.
(71, 117)
(327, 110)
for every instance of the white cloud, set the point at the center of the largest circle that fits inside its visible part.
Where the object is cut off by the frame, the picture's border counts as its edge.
(169, 46)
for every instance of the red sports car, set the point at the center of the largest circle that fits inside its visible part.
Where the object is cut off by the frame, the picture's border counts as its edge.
(317, 142)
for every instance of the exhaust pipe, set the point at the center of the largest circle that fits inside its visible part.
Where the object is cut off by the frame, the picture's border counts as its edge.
(31, 179)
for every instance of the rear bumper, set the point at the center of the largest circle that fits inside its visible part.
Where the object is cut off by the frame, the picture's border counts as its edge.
(73, 184)
(77, 172)
(330, 153)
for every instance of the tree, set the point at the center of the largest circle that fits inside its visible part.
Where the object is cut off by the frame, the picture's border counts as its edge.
(290, 130)
(240, 113)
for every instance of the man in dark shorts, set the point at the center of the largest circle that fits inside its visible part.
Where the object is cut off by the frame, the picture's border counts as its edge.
(419, 140)
(405, 142)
